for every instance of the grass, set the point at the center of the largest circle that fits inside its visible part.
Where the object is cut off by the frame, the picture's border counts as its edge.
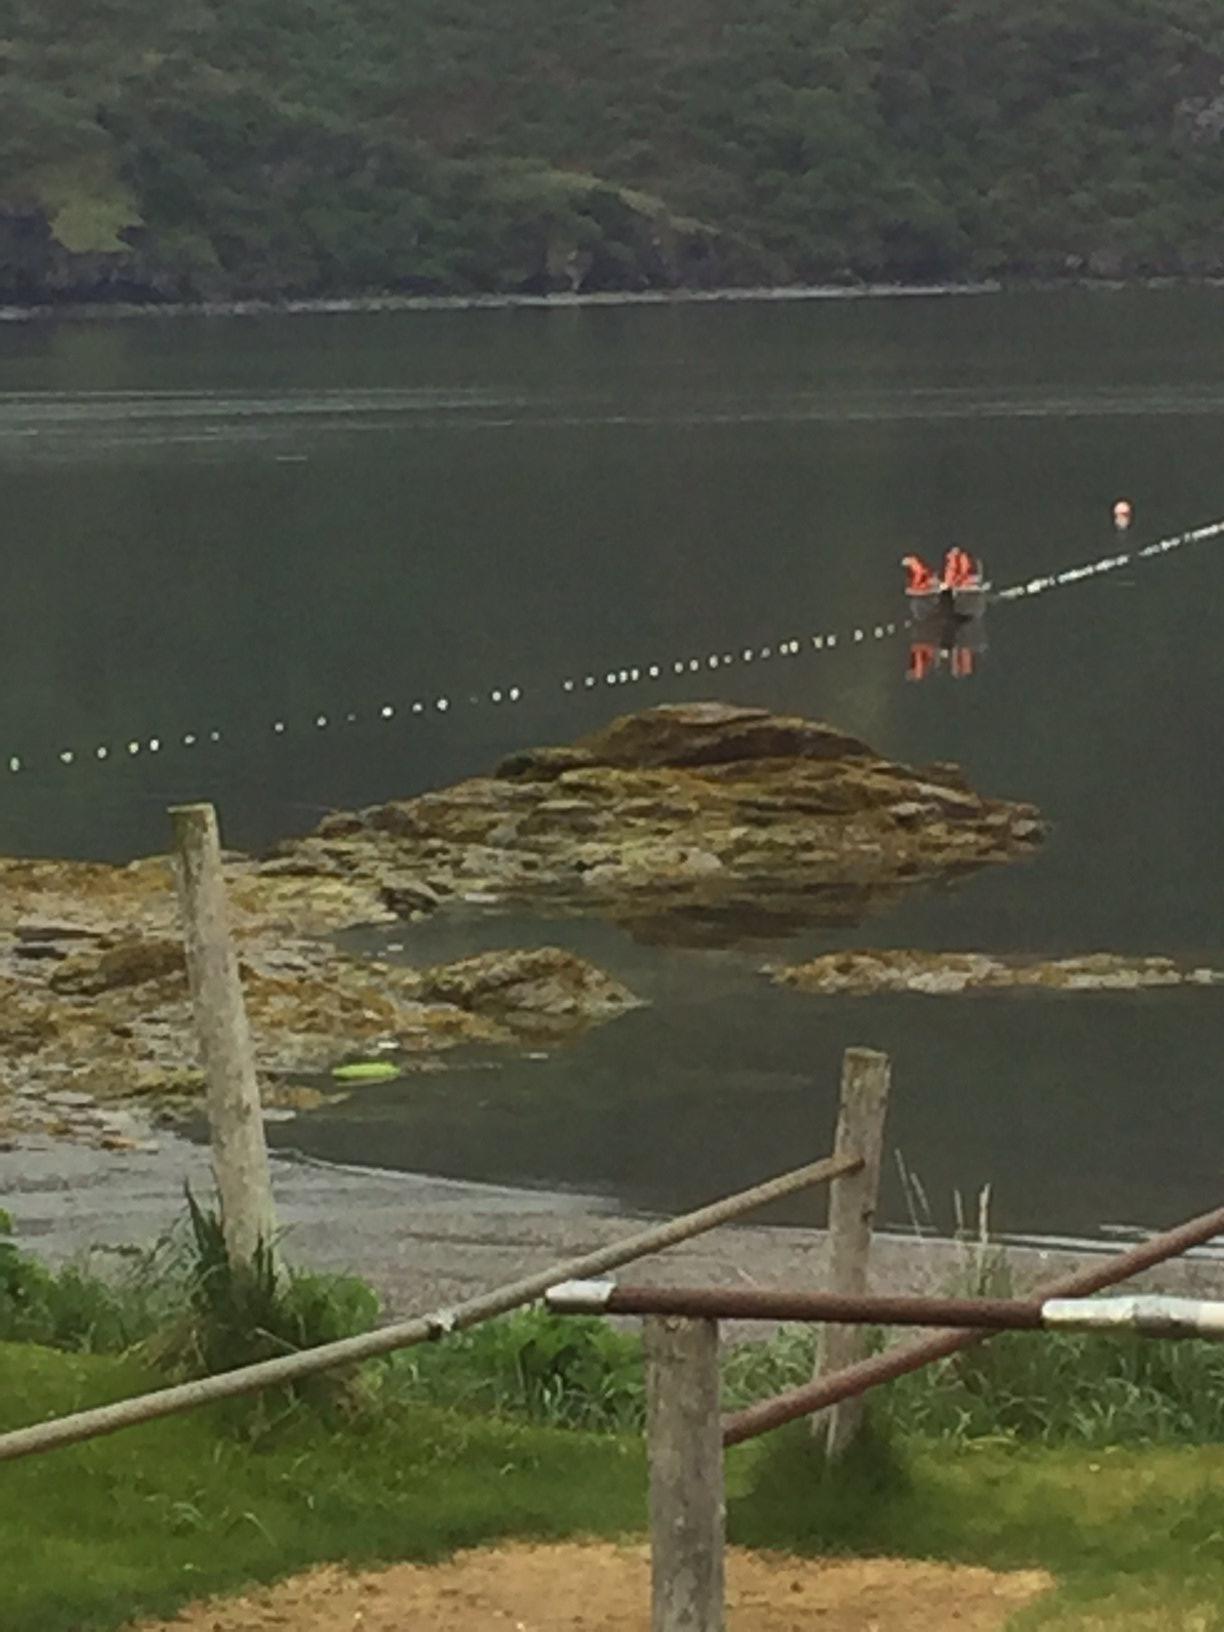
(140, 1522)
(573, 1372)
(186, 1308)
(1099, 1460)
(1056, 1389)
(135, 1524)
(1133, 1536)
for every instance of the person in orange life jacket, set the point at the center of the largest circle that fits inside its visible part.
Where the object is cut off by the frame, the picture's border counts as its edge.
(919, 578)
(959, 569)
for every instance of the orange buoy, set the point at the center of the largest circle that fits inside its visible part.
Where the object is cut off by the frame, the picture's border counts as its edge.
(1123, 514)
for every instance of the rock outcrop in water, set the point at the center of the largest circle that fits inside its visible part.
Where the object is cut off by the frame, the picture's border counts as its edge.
(701, 823)
(949, 974)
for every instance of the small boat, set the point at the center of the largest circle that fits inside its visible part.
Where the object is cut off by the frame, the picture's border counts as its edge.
(967, 601)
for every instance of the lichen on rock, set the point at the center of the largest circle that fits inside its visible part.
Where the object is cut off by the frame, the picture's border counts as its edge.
(106, 1016)
(949, 974)
(699, 822)
(541, 988)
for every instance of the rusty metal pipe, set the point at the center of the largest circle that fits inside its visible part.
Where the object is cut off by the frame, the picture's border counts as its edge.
(885, 1368)
(1149, 1315)
(744, 1303)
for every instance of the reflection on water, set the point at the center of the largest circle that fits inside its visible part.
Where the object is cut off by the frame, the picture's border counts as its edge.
(1060, 1102)
(945, 642)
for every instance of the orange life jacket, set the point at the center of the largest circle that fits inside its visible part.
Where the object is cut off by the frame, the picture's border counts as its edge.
(959, 568)
(919, 577)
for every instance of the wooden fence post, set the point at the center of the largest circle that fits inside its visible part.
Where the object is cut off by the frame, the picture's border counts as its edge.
(684, 1448)
(852, 1205)
(240, 1155)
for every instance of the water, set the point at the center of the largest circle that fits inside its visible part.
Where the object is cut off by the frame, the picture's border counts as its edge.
(214, 526)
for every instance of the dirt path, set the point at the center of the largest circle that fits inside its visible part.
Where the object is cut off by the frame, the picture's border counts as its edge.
(598, 1587)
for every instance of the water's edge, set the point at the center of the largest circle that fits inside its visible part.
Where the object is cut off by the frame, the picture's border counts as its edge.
(423, 1242)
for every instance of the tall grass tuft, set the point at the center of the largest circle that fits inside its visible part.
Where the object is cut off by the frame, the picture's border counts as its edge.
(571, 1371)
(1067, 1389)
(235, 1315)
(232, 1316)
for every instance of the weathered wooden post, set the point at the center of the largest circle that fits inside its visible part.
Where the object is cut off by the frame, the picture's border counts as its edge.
(240, 1155)
(852, 1206)
(684, 1447)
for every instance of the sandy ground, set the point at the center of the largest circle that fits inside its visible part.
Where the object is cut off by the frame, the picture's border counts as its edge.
(597, 1587)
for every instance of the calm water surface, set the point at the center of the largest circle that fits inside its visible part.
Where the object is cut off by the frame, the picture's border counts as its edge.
(215, 525)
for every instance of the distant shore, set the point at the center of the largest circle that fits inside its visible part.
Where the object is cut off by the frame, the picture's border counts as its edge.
(361, 305)
(348, 305)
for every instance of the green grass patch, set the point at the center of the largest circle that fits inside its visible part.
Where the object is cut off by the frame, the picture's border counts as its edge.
(1097, 1459)
(138, 1523)
(80, 1308)
(573, 1371)
(142, 1521)
(1126, 1532)
(1050, 1389)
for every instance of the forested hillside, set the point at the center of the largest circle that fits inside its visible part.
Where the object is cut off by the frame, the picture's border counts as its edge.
(193, 149)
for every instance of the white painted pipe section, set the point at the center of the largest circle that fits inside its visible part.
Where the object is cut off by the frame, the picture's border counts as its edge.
(1156, 1316)
(579, 1297)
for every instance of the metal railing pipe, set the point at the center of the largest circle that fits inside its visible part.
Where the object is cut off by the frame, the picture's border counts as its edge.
(885, 1368)
(1151, 1316)
(761, 1303)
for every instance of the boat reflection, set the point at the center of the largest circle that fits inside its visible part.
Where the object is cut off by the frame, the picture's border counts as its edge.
(941, 640)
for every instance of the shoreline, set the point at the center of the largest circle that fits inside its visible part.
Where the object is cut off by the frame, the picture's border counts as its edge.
(367, 305)
(423, 1242)
(560, 300)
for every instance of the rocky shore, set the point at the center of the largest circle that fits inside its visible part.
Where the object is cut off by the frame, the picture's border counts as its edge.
(696, 824)
(108, 1031)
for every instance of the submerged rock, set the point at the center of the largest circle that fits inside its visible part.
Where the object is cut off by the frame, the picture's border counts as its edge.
(948, 974)
(107, 1014)
(702, 823)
